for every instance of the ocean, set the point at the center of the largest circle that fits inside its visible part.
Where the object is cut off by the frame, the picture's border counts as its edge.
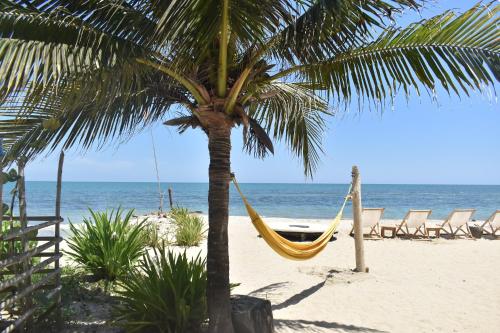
(318, 201)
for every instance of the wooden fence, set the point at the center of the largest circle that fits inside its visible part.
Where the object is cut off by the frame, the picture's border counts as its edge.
(30, 273)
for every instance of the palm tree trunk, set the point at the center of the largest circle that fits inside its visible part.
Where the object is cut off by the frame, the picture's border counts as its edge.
(218, 293)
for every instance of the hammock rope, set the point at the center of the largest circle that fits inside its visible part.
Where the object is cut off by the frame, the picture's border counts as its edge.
(285, 247)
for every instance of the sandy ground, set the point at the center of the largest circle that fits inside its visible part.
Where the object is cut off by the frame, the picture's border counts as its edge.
(413, 285)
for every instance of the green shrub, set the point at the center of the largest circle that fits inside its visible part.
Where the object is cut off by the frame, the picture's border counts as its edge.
(156, 236)
(179, 212)
(189, 228)
(165, 294)
(107, 245)
(152, 236)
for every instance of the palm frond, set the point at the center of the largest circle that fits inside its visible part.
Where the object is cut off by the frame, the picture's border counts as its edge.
(319, 30)
(131, 20)
(330, 27)
(36, 48)
(92, 109)
(459, 52)
(13, 128)
(191, 28)
(292, 113)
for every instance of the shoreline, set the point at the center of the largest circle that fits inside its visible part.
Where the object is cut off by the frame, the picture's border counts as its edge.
(303, 201)
(282, 222)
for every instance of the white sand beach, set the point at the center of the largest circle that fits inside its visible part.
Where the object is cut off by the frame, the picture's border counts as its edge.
(413, 286)
(439, 285)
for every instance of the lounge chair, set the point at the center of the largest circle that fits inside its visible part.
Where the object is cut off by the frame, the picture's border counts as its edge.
(414, 219)
(494, 224)
(371, 219)
(458, 221)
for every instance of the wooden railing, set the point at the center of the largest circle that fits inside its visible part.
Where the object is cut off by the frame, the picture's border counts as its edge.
(41, 260)
(30, 273)
(39, 257)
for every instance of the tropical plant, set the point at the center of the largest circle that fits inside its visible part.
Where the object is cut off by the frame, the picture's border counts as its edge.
(189, 229)
(87, 72)
(8, 177)
(177, 212)
(152, 235)
(166, 293)
(107, 244)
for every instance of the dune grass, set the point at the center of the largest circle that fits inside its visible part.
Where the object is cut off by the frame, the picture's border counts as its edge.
(189, 228)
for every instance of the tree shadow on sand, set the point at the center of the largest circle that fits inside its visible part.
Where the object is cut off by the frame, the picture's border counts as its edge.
(297, 298)
(319, 326)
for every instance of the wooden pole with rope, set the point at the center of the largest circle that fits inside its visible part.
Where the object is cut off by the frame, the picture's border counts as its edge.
(170, 198)
(160, 193)
(357, 215)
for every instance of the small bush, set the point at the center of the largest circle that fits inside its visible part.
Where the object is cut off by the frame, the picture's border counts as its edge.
(189, 228)
(165, 294)
(179, 212)
(152, 235)
(107, 245)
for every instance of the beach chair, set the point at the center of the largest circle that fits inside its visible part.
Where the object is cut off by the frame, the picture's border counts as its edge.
(414, 219)
(458, 221)
(493, 222)
(371, 219)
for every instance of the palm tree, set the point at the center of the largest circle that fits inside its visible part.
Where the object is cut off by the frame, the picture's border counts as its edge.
(87, 72)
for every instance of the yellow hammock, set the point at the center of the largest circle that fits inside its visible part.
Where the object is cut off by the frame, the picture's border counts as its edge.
(284, 247)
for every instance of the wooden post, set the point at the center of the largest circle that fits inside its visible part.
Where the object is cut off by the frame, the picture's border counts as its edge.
(358, 222)
(157, 173)
(23, 219)
(57, 234)
(170, 198)
(161, 202)
(11, 250)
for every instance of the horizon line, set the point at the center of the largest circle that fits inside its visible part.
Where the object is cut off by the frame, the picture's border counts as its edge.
(270, 183)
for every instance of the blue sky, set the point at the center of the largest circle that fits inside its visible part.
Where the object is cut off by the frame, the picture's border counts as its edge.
(453, 141)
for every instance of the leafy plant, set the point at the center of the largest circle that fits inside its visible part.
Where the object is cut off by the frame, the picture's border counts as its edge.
(107, 245)
(179, 212)
(189, 228)
(10, 176)
(152, 236)
(159, 232)
(166, 293)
